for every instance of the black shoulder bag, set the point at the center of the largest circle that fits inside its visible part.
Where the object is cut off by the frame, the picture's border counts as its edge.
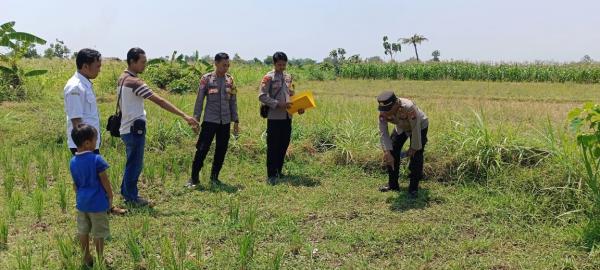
(114, 121)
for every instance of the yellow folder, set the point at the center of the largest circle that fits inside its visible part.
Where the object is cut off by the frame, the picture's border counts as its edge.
(304, 100)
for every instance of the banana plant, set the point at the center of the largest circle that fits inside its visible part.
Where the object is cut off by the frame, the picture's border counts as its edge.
(586, 122)
(17, 44)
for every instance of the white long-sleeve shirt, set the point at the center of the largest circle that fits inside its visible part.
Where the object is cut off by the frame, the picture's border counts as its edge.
(80, 102)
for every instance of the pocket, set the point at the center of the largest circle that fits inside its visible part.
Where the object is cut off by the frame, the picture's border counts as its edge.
(212, 93)
(277, 85)
(138, 127)
(90, 98)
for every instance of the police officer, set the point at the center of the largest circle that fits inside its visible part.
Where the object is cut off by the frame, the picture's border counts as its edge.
(409, 122)
(275, 92)
(219, 90)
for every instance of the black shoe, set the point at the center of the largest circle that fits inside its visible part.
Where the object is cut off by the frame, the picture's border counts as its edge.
(88, 265)
(214, 180)
(140, 202)
(191, 184)
(388, 188)
(271, 181)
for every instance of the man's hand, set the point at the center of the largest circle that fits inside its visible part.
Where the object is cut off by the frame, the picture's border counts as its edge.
(284, 105)
(192, 122)
(236, 129)
(411, 152)
(301, 111)
(388, 159)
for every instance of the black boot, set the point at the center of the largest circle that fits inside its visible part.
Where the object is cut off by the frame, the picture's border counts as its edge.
(214, 179)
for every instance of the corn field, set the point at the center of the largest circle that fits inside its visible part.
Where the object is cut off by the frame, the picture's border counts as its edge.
(462, 71)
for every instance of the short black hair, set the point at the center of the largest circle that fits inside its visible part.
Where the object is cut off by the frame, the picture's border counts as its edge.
(221, 56)
(134, 54)
(83, 133)
(279, 56)
(86, 56)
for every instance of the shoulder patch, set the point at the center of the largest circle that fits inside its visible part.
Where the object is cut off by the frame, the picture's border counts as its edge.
(267, 78)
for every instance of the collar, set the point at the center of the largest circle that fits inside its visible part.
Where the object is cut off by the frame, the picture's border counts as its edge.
(84, 80)
(215, 75)
(81, 153)
(130, 73)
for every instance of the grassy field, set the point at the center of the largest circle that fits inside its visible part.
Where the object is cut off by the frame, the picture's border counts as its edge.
(502, 171)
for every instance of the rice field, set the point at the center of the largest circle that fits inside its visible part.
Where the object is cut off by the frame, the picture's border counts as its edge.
(503, 187)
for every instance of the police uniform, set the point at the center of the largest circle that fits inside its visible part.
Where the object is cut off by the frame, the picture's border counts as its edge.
(221, 109)
(410, 122)
(277, 87)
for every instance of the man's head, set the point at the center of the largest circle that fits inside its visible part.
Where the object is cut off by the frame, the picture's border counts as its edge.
(222, 63)
(85, 137)
(388, 103)
(280, 61)
(88, 63)
(136, 60)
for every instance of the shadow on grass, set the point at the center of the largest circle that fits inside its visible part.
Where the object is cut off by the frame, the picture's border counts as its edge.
(222, 187)
(298, 180)
(133, 210)
(402, 202)
(152, 212)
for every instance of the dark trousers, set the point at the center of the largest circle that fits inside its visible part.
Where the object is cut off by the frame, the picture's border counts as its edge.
(416, 162)
(74, 150)
(279, 133)
(208, 132)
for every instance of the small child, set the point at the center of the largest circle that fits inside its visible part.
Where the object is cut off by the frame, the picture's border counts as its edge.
(93, 192)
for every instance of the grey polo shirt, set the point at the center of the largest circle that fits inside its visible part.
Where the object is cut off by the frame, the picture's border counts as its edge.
(221, 99)
(281, 90)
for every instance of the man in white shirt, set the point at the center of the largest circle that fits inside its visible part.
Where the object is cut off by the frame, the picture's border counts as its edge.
(79, 96)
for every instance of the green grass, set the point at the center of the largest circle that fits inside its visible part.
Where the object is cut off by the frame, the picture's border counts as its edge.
(502, 172)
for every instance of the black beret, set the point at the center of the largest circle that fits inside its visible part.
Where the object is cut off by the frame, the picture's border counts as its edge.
(386, 100)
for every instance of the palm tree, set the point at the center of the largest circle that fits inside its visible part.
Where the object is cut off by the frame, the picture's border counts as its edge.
(414, 40)
(391, 48)
(436, 55)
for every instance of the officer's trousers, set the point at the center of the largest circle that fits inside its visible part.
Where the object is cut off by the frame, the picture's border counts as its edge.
(415, 166)
(208, 132)
(279, 133)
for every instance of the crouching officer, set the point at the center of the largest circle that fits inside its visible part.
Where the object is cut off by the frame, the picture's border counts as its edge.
(410, 122)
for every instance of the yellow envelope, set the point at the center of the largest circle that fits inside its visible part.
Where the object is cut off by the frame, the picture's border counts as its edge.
(304, 100)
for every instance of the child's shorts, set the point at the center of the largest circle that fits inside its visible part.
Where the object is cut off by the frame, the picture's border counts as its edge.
(93, 224)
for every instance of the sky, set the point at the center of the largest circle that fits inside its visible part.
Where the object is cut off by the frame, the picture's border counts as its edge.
(473, 30)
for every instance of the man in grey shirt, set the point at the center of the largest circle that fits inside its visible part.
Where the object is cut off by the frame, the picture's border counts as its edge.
(276, 89)
(221, 109)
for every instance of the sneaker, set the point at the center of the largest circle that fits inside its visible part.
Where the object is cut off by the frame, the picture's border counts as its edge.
(413, 194)
(191, 184)
(388, 188)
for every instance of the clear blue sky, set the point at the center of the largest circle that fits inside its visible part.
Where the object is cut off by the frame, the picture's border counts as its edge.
(492, 30)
